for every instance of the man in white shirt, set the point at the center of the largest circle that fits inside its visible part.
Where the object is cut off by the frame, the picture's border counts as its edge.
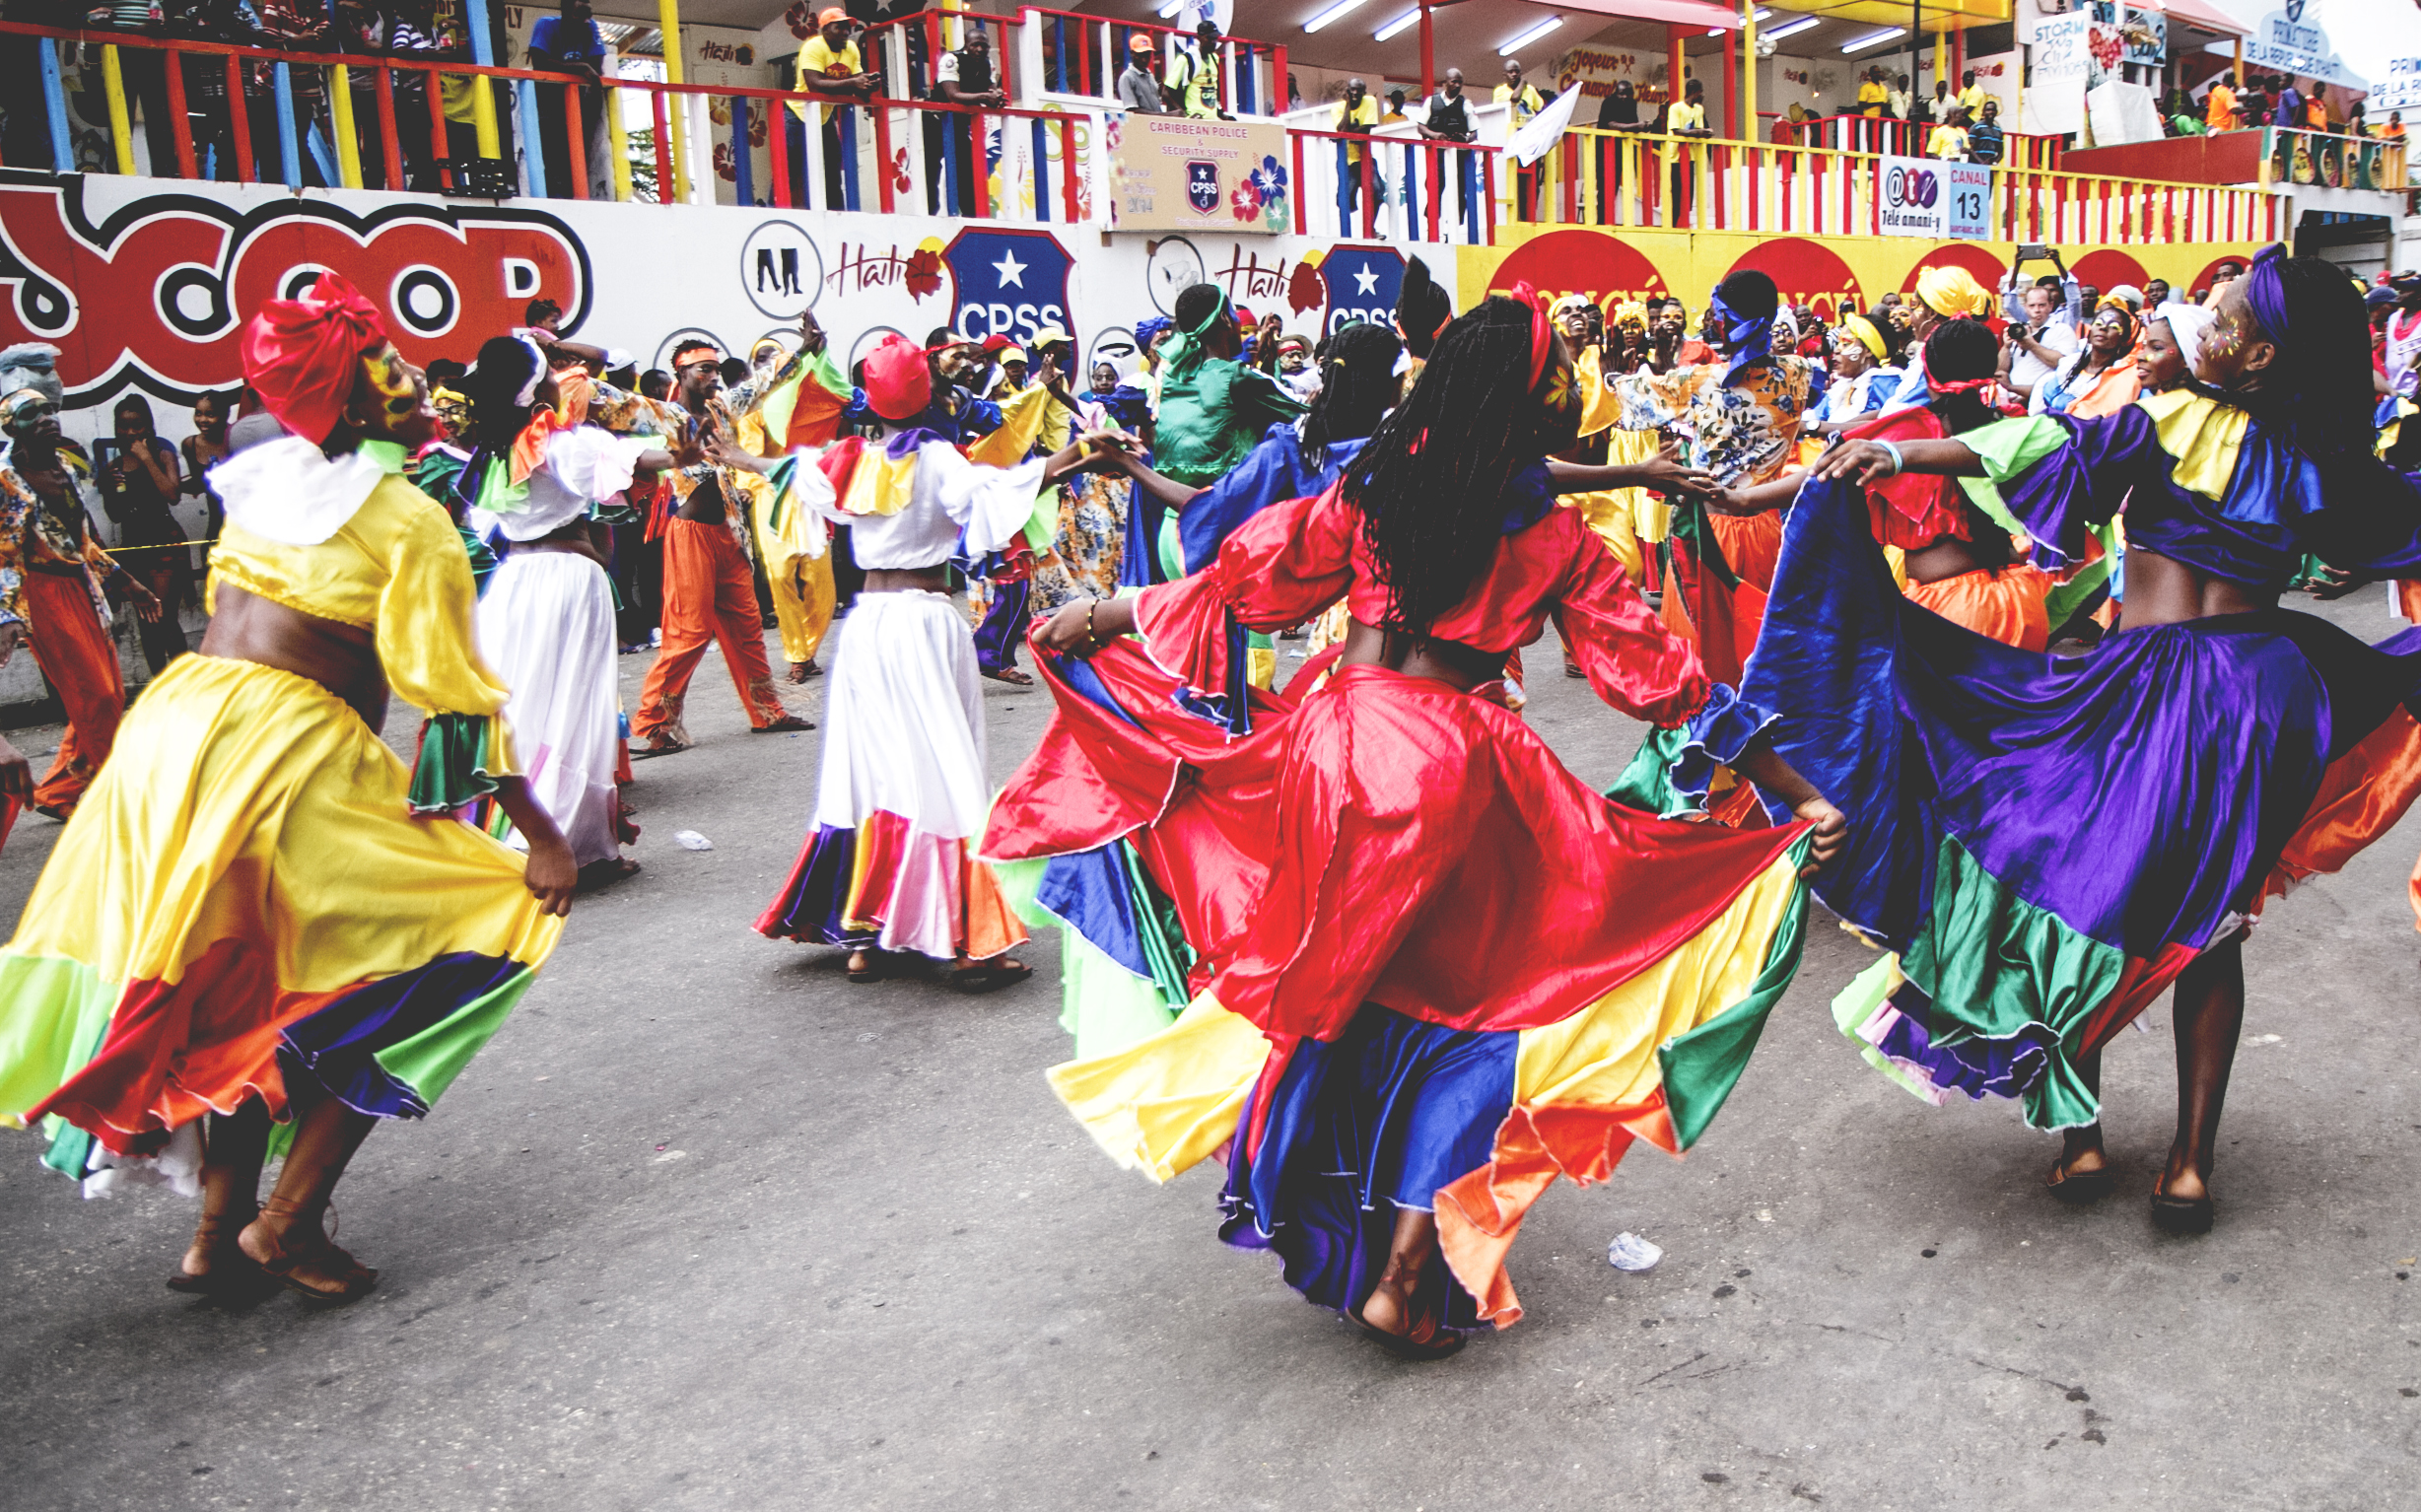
(2037, 344)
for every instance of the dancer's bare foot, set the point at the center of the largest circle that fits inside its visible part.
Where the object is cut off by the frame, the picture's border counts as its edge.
(214, 1264)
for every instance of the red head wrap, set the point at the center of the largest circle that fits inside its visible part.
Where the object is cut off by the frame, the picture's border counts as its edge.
(301, 356)
(898, 384)
(1542, 332)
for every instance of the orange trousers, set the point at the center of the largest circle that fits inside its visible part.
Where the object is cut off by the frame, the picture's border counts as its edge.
(709, 599)
(80, 662)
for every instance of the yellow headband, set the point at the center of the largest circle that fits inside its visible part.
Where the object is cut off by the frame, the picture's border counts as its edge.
(1868, 337)
(1568, 302)
(1953, 292)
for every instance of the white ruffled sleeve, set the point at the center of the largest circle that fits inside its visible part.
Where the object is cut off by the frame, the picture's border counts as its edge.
(989, 505)
(595, 464)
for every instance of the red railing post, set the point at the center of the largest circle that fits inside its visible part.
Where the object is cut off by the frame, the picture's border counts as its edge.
(1487, 198)
(1301, 186)
(776, 150)
(983, 179)
(392, 145)
(238, 120)
(1280, 95)
(180, 126)
(575, 141)
(1084, 58)
(1370, 195)
(437, 125)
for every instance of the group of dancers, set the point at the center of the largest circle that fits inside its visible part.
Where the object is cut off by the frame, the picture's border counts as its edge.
(1364, 939)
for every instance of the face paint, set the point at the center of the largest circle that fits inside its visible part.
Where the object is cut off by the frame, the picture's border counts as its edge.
(390, 379)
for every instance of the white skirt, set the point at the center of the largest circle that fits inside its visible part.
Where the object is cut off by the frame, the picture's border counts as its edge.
(547, 627)
(904, 762)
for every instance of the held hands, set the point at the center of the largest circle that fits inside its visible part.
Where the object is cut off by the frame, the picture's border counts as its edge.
(1070, 632)
(1860, 460)
(1731, 500)
(1666, 475)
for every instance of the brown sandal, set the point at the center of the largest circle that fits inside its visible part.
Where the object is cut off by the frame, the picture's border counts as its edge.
(232, 1272)
(297, 1269)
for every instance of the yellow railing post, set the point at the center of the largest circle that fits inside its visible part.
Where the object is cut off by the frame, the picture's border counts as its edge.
(676, 107)
(340, 120)
(483, 117)
(121, 126)
(1748, 72)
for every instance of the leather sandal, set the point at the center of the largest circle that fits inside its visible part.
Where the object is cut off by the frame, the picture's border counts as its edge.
(2079, 1187)
(232, 1272)
(781, 725)
(2182, 1216)
(295, 1269)
(1426, 1342)
(989, 976)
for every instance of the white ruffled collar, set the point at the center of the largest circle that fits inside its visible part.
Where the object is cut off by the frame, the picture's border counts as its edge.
(288, 491)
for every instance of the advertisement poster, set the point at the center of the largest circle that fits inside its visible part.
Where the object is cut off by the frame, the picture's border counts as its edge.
(2399, 91)
(1169, 172)
(1939, 201)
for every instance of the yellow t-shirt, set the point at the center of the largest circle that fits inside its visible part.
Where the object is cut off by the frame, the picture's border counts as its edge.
(1947, 142)
(1196, 78)
(1525, 104)
(1684, 116)
(817, 60)
(1973, 98)
(1871, 98)
(1364, 115)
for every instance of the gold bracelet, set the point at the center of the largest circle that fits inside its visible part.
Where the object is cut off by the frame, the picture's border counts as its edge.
(1090, 634)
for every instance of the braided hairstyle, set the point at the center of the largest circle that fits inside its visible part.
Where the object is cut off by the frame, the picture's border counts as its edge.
(1357, 386)
(1421, 309)
(1431, 481)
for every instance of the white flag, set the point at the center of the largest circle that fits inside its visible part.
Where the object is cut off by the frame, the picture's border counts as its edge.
(1539, 136)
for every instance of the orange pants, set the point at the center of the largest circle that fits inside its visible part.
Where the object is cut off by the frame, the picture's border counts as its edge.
(80, 662)
(709, 599)
(2006, 606)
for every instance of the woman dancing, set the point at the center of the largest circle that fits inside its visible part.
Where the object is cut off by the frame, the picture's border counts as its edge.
(258, 913)
(1436, 970)
(2216, 743)
(1957, 557)
(546, 618)
(886, 869)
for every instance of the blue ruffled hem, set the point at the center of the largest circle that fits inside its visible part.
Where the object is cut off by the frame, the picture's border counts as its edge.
(1717, 736)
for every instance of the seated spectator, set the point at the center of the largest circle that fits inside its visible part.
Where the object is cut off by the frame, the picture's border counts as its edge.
(1949, 140)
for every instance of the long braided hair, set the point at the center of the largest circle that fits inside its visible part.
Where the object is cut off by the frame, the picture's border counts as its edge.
(1431, 481)
(1357, 386)
(1959, 352)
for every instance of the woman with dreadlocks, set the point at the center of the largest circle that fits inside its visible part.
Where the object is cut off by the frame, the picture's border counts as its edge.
(1955, 540)
(1342, 875)
(2219, 745)
(546, 618)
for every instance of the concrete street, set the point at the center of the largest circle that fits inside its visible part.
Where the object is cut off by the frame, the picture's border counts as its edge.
(709, 1227)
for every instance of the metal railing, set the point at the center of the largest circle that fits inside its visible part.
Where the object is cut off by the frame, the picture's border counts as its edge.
(1399, 189)
(1079, 57)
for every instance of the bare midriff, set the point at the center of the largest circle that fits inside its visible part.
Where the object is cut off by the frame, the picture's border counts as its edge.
(907, 580)
(2161, 591)
(342, 658)
(1369, 646)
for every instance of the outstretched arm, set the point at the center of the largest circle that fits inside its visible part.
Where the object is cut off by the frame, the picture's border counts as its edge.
(1662, 474)
(1766, 767)
(1870, 461)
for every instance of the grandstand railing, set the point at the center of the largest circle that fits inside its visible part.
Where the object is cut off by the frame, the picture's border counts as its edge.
(1627, 178)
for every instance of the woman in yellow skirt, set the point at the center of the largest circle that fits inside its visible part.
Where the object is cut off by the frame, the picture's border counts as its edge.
(259, 915)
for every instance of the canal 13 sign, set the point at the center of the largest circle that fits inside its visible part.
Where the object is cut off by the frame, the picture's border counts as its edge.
(1937, 200)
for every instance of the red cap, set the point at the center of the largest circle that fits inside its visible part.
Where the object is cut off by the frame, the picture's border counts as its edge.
(898, 384)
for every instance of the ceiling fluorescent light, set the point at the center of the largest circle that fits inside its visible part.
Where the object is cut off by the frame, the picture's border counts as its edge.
(1408, 18)
(1331, 14)
(1170, 8)
(1790, 28)
(1529, 36)
(1858, 44)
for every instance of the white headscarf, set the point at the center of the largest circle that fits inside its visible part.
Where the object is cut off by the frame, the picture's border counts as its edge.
(2188, 323)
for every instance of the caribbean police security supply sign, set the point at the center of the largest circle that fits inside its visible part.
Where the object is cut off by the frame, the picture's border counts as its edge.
(1928, 197)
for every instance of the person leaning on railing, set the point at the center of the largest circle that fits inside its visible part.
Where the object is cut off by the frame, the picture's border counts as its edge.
(1139, 86)
(406, 31)
(829, 65)
(570, 43)
(143, 72)
(1985, 139)
(962, 78)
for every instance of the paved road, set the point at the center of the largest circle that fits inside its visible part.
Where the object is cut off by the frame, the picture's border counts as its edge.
(709, 1227)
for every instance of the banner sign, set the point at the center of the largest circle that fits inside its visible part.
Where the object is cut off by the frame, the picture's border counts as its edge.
(2402, 89)
(1937, 200)
(1172, 173)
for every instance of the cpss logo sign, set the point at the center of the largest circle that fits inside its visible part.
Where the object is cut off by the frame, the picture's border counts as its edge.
(1201, 186)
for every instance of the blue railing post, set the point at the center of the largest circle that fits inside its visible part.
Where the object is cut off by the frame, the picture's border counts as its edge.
(1042, 174)
(949, 166)
(849, 156)
(289, 150)
(54, 106)
(744, 164)
(525, 127)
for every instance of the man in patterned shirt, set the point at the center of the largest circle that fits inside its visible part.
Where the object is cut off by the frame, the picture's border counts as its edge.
(709, 594)
(1739, 418)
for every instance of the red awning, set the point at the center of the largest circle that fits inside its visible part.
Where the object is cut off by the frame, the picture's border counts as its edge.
(1680, 12)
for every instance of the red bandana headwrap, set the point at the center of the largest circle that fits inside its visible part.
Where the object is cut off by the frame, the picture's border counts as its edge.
(1542, 332)
(898, 383)
(301, 356)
